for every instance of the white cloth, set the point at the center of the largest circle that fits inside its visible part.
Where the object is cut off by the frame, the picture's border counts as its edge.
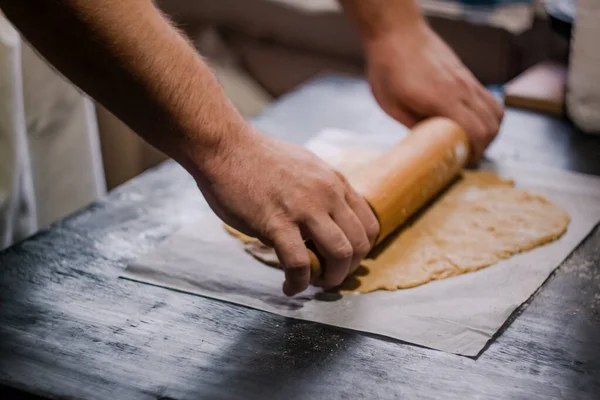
(50, 162)
(583, 94)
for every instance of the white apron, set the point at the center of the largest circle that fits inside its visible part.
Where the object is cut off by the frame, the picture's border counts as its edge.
(50, 162)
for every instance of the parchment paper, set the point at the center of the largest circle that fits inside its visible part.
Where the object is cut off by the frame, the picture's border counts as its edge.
(458, 315)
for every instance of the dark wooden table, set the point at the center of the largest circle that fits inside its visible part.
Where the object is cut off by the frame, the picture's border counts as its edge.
(69, 328)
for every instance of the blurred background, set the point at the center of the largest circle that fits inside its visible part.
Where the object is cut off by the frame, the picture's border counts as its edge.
(259, 49)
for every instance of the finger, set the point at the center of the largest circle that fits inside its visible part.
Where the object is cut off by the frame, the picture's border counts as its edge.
(495, 105)
(475, 129)
(294, 259)
(466, 118)
(475, 97)
(362, 210)
(485, 115)
(402, 115)
(355, 232)
(334, 247)
(485, 99)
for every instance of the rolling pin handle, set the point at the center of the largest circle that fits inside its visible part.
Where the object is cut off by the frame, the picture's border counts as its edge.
(316, 263)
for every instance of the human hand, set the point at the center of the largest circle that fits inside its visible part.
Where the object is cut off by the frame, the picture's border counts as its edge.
(283, 194)
(414, 75)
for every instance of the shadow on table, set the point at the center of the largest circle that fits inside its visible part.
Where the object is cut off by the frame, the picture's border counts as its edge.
(9, 393)
(277, 358)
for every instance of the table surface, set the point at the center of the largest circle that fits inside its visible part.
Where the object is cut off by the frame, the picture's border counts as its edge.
(70, 328)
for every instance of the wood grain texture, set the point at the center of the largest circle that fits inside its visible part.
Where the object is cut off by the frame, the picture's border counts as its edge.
(69, 328)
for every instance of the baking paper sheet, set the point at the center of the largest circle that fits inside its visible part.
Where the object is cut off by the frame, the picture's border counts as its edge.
(457, 315)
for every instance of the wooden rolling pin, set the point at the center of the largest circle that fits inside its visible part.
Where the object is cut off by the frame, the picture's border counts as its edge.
(410, 174)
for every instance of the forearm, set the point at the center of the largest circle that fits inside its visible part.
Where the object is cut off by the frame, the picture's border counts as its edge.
(376, 18)
(127, 56)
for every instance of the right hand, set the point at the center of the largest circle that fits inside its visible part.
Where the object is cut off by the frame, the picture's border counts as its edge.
(415, 75)
(283, 194)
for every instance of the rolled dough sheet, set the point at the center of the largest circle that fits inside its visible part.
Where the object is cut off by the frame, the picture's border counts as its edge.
(480, 220)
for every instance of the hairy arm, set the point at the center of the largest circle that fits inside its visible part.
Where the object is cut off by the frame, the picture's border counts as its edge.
(127, 55)
(375, 18)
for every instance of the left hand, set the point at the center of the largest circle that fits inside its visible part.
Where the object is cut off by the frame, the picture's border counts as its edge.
(414, 75)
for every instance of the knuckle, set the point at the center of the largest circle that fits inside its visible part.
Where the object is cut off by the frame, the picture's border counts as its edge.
(307, 211)
(460, 80)
(455, 82)
(296, 262)
(332, 188)
(341, 177)
(326, 185)
(343, 252)
(303, 209)
(372, 230)
(272, 227)
(362, 248)
(353, 198)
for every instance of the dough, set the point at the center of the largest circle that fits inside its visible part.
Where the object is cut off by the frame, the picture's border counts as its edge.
(480, 220)
(260, 251)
